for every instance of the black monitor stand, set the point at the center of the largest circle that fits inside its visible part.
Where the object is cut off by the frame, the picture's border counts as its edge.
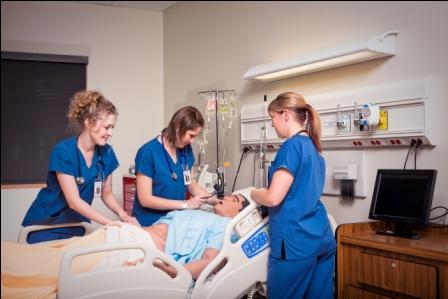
(400, 230)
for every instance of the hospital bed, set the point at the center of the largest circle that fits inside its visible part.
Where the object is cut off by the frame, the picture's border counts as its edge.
(242, 264)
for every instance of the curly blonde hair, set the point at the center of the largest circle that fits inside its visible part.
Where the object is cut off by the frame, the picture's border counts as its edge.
(88, 105)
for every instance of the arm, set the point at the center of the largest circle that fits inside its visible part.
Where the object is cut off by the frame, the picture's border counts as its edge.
(197, 190)
(74, 201)
(111, 202)
(198, 193)
(148, 200)
(274, 195)
(195, 268)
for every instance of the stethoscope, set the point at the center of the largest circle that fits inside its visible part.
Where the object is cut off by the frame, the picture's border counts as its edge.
(99, 164)
(182, 155)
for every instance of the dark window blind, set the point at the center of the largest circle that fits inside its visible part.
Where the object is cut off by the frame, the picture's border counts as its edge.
(35, 93)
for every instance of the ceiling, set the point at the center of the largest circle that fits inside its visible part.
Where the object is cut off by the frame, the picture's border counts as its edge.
(145, 5)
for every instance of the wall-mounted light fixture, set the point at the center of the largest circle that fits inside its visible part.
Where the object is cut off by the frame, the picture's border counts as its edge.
(382, 45)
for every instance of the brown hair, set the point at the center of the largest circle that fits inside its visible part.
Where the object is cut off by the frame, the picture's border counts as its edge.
(244, 203)
(186, 118)
(88, 104)
(302, 110)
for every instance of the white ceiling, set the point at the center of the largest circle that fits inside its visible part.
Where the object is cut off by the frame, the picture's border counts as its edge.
(145, 5)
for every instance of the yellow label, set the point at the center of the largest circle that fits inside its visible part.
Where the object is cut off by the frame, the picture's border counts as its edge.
(226, 163)
(383, 120)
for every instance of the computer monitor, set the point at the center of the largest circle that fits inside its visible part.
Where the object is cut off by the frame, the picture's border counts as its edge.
(403, 197)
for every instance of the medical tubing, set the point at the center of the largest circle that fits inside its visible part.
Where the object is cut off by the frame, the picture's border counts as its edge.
(252, 291)
(253, 174)
(410, 147)
(245, 150)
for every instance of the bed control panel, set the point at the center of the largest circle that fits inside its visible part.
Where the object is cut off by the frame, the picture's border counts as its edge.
(256, 243)
(248, 223)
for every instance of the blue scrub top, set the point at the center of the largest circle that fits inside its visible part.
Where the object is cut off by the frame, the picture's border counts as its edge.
(300, 221)
(50, 206)
(152, 161)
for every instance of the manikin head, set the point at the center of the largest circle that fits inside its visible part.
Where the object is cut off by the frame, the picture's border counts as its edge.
(231, 205)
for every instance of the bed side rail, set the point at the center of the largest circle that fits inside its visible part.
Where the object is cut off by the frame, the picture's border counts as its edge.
(26, 230)
(141, 281)
(245, 260)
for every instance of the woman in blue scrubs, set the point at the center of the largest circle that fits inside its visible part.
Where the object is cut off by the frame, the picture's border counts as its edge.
(163, 169)
(80, 170)
(301, 263)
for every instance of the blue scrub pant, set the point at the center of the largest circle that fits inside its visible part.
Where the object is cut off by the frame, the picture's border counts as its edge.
(302, 278)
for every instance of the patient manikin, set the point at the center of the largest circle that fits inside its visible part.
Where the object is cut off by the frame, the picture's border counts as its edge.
(195, 237)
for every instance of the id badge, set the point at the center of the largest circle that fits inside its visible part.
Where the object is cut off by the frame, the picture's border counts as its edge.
(187, 177)
(97, 189)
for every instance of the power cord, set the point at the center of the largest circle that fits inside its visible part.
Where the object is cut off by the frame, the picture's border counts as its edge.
(245, 150)
(440, 216)
(413, 142)
(417, 145)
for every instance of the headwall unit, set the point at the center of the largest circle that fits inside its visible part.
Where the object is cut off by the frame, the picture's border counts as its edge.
(389, 115)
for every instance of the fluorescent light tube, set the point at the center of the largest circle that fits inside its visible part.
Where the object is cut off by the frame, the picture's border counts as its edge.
(379, 46)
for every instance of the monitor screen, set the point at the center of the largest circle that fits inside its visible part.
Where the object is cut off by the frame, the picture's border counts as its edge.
(403, 196)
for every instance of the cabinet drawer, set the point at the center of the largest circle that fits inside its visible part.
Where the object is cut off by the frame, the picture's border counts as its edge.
(129, 188)
(129, 206)
(397, 275)
(351, 292)
(129, 196)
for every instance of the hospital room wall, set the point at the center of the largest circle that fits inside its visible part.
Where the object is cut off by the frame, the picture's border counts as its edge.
(211, 45)
(125, 51)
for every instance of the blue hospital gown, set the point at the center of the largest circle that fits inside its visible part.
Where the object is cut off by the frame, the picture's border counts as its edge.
(190, 232)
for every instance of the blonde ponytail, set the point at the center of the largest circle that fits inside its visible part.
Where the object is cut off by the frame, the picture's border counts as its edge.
(303, 111)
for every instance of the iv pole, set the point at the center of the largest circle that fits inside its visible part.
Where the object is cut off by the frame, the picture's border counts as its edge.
(219, 187)
(263, 168)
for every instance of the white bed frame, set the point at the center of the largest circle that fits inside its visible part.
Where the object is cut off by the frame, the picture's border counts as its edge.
(245, 265)
(25, 231)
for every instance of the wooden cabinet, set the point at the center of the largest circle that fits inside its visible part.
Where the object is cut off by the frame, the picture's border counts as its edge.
(129, 190)
(376, 266)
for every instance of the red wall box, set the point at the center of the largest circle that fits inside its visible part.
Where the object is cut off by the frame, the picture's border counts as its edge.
(129, 190)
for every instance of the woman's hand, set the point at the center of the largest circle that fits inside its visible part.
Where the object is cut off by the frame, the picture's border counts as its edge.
(195, 202)
(129, 219)
(115, 223)
(211, 199)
